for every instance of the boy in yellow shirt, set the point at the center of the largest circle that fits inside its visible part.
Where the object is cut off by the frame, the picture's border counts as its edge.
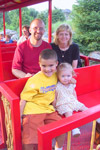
(36, 101)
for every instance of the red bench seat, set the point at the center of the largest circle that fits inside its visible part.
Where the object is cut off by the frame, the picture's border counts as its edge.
(88, 91)
(6, 57)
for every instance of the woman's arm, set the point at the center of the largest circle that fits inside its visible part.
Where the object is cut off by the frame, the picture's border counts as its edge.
(74, 64)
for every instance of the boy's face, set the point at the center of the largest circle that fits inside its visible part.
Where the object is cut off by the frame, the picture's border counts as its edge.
(48, 67)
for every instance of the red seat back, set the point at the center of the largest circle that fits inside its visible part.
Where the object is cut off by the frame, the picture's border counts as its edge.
(6, 57)
(87, 79)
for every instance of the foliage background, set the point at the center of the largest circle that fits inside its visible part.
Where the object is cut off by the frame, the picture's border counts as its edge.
(28, 14)
(86, 25)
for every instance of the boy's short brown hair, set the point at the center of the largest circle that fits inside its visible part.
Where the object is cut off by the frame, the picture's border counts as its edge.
(48, 54)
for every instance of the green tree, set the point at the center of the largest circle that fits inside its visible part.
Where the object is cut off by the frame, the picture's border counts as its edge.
(13, 20)
(57, 15)
(7, 18)
(44, 16)
(86, 25)
(33, 13)
(26, 18)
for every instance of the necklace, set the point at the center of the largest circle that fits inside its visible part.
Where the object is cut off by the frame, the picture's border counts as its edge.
(63, 51)
(63, 54)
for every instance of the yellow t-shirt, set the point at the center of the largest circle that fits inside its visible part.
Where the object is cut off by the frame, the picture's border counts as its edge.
(39, 93)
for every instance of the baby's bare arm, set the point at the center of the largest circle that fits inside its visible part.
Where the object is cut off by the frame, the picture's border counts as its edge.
(74, 93)
(54, 102)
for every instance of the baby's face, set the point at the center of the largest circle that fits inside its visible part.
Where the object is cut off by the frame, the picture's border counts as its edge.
(65, 76)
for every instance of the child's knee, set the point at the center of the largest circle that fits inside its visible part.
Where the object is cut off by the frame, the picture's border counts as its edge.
(69, 113)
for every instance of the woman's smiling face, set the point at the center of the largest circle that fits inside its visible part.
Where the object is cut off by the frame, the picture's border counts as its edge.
(63, 36)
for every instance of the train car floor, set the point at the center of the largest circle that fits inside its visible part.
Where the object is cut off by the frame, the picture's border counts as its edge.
(80, 143)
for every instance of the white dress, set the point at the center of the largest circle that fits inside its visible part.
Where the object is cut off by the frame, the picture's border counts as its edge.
(66, 100)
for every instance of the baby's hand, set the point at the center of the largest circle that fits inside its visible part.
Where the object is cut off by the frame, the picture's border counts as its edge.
(72, 81)
(54, 104)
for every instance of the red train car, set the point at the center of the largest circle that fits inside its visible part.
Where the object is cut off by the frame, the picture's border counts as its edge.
(88, 89)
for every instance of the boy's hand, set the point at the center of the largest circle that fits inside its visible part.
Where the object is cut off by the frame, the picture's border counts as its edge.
(21, 123)
(21, 119)
(54, 102)
(22, 105)
(72, 81)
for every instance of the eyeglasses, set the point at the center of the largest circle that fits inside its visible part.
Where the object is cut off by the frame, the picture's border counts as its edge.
(38, 28)
(24, 31)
